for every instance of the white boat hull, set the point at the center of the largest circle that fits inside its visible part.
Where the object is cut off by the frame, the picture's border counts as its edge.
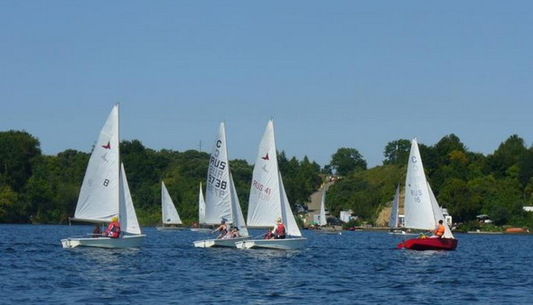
(209, 243)
(280, 244)
(128, 241)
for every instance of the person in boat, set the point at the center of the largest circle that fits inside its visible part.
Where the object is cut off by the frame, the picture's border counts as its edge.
(279, 230)
(439, 230)
(222, 228)
(233, 233)
(113, 229)
(97, 232)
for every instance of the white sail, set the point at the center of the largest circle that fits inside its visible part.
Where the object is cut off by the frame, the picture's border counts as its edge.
(168, 209)
(422, 210)
(236, 211)
(286, 213)
(99, 194)
(268, 199)
(127, 215)
(438, 215)
(322, 221)
(265, 193)
(394, 221)
(201, 206)
(218, 197)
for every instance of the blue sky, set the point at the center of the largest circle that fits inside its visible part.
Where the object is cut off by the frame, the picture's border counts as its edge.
(332, 74)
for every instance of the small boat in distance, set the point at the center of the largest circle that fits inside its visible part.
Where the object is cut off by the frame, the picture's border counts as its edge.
(422, 211)
(394, 220)
(201, 214)
(169, 215)
(105, 193)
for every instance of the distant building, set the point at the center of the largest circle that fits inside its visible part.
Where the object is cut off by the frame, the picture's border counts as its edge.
(346, 216)
(447, 217)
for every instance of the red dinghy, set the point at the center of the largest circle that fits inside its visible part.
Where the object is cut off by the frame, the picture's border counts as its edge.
(429, 244)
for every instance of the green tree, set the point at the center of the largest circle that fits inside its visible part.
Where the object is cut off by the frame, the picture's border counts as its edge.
(17, 152)
(347, 160)
(397, 152)
(509, 153)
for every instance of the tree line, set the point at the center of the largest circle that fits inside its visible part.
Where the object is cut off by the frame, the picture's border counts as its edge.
(38, 188)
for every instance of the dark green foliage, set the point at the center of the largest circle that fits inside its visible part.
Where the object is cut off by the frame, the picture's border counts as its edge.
(347, 160)
(44, 189)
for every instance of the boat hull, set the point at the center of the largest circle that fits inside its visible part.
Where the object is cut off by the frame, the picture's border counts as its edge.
(280, 244)
(213, 243)
(127, 241)
(429, 244)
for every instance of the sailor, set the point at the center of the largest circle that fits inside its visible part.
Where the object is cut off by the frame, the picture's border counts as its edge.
(439, 231)
(113, 229)
(222, 228)
(279, 230)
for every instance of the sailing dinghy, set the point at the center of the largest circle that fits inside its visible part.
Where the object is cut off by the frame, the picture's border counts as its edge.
(222, 201)
(268, 199)
(422, 210)
(201, 214)
(105, 193)
(169, 215)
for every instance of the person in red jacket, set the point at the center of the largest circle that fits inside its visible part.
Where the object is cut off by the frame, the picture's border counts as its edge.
(113, 229)
(279, 231)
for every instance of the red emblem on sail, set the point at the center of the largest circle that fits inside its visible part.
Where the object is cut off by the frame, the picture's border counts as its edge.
(108, 146)
(265, 157)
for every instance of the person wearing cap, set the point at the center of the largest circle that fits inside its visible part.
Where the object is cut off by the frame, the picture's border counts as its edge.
(113, 229)
(223, 229)
(279, 230)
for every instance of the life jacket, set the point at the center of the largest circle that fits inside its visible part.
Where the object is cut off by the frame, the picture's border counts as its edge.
(440, 230)
(113, 230)
(280, 229)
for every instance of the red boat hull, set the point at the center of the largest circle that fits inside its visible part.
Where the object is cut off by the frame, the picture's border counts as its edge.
(429, 244)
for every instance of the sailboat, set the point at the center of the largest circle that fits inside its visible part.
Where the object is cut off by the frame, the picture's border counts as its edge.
(169, 215)
(322, 221)
(268, 199)
(105, 193)
(222, 202)
(422, 211)
(201, 213)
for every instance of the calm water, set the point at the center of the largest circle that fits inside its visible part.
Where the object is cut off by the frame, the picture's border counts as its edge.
(352, 268)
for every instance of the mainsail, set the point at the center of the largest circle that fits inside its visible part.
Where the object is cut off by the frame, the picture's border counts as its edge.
(99, 194)
(268, 199)
(217, 197)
